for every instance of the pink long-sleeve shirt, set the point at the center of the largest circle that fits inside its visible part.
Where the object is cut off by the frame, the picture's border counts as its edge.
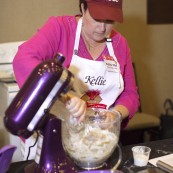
(58, 35)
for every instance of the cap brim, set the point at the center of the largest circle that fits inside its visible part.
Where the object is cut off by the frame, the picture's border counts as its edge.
(105, 12)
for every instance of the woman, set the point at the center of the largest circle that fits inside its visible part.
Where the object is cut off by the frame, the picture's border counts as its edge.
(97, 54)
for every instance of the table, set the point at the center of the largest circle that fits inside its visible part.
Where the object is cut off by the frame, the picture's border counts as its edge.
(158, 148)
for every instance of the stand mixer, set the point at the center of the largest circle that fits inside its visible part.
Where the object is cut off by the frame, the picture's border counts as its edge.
(29, 112)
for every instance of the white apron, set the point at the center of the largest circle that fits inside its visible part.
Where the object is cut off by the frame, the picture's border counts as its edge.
(95, 81)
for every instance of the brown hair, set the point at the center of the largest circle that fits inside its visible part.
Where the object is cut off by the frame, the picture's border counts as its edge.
(85, 5)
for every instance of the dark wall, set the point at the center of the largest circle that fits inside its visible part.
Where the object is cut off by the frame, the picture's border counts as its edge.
(160, 11)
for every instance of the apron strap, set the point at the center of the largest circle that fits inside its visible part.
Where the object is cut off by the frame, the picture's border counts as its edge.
(77, 38)
(111, 52)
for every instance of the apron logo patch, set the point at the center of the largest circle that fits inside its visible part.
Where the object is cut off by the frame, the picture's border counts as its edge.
(111, 64)
(105, 57)
(93, 99)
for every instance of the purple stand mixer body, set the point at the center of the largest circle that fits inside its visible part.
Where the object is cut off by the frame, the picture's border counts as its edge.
(29, 112)
(48, 81)
(53, 158)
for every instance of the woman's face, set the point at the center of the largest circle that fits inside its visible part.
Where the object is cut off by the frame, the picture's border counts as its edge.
(97, 30)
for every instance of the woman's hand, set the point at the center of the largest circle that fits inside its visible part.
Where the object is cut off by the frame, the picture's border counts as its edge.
(76, 107)
(108, 119)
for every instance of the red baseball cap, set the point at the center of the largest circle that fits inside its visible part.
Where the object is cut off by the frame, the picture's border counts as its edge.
(106, 9)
